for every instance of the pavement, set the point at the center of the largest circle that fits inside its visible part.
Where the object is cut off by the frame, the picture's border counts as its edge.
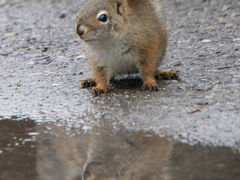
(189, 129)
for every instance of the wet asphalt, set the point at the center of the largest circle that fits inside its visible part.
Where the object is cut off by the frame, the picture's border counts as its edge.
(50, 128)
(46, 152)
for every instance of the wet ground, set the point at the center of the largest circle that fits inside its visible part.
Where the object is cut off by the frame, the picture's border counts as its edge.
(50, 128)
(30, 151)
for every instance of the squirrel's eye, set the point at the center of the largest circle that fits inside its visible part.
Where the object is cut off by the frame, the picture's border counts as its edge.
(103, 18)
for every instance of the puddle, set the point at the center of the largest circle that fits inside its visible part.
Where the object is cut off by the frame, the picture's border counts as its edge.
(17, 150)
(29, 151)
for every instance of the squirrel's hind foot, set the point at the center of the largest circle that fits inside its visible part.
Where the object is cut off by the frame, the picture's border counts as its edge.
(168, 75)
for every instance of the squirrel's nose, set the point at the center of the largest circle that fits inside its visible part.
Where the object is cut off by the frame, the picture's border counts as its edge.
(80, 30)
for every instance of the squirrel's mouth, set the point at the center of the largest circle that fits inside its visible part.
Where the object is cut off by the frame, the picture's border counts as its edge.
(89, 39)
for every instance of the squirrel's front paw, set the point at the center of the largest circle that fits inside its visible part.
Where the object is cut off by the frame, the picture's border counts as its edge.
(152, 86)
(87, 83)
(98, 91)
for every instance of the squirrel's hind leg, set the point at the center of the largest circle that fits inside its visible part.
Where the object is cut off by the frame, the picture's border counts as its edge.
(167, 75)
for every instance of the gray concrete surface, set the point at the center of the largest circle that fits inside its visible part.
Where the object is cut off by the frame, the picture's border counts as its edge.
(42, 61)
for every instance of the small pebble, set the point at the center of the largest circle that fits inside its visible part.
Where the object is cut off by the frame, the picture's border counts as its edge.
(62, 16)
(206, 40)
(33, 133)
(236, 39)
(45, 49)
(202, 103)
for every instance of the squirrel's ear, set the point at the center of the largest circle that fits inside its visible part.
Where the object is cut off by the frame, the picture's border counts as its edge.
(124, 5)
(119, 7)
(131, 3)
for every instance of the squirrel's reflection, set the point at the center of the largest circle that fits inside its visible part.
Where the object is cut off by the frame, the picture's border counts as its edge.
(104, 154)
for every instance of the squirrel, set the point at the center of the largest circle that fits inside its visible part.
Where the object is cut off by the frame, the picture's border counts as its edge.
(122, 37)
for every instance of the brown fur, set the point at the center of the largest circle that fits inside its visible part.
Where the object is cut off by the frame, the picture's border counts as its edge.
(134, 34)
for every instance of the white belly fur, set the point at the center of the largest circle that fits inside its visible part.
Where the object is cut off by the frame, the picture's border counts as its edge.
(114, 58)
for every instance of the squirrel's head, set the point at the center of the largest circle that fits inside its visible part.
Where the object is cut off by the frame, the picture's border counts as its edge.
(99, 20)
